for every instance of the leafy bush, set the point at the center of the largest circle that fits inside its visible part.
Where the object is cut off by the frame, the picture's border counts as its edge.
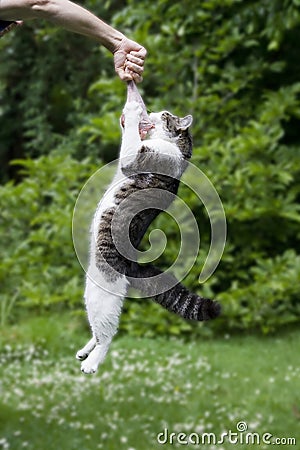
(234, 65)
(236, 71)
(38, 265)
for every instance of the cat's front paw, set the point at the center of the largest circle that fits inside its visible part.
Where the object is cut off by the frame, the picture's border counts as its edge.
(132, 112)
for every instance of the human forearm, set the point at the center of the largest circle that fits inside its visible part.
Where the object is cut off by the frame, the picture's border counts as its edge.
(65, 14)
(129, 56)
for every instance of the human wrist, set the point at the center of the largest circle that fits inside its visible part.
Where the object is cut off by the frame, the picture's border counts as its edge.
(112, 40)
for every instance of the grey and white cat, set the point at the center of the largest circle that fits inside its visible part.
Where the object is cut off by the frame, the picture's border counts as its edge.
(146, 170)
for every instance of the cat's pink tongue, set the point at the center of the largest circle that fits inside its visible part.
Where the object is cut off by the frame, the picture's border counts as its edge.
(133, 95)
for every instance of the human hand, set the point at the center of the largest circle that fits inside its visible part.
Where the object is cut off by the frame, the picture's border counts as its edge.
(129, 60)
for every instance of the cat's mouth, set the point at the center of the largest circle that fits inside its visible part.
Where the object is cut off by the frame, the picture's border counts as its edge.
(145, 127)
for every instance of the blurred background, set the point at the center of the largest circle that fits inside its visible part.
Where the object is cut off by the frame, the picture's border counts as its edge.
(234, 65)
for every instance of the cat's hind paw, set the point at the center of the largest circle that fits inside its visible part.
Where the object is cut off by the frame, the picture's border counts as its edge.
(88, 369)
(96, 357)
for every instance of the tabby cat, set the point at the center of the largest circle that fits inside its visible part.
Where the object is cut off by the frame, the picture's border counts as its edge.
(146, 181)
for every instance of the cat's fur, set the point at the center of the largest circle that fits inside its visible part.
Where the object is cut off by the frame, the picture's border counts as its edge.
(156, 165)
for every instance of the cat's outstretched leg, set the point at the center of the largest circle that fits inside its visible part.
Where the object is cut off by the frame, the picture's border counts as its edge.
(95, 358)
(131, 140)
(84, 352)
(103, 303)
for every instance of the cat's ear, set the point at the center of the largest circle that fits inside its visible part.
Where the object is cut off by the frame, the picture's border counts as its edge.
(185, 122)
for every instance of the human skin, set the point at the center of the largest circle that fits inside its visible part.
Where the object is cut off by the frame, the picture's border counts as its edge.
(129, 56)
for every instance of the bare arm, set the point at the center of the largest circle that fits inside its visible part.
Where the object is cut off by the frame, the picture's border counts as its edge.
(73, 17)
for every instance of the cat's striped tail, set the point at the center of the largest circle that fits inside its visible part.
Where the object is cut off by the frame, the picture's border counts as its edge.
(172, 295)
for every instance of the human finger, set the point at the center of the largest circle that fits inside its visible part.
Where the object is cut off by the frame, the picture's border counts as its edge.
(141, 53)
(124, 75)
(135, 59)
(134, 67)
(134, 75)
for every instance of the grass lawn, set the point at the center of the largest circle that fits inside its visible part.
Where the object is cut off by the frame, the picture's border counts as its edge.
(144, 387)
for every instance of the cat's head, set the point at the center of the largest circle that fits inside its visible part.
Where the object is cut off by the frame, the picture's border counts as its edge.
(172, 129)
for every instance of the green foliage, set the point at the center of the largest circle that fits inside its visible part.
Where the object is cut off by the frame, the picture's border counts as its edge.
(234, 65)
(235, 69)
(38, 267)
(104, 129)
(45, 74)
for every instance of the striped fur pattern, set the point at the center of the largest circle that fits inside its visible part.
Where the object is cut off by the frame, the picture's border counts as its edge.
(146, 181)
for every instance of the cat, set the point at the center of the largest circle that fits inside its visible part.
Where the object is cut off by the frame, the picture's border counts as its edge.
(153, 167)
